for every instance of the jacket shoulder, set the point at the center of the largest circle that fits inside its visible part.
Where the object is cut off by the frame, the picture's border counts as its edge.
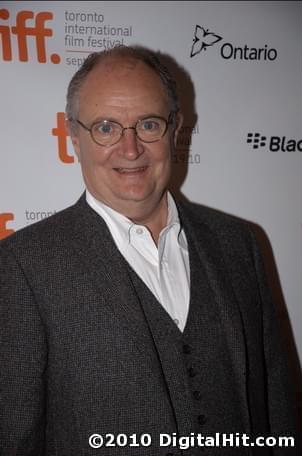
(46, 232)
(214, 219)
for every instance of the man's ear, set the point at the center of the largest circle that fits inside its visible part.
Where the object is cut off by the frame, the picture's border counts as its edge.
(73, 133)
(178, 124)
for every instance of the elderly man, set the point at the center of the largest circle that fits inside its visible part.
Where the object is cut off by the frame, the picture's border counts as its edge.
(127, 320)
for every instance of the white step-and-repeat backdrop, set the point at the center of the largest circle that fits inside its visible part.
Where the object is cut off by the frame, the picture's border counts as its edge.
(240, 150)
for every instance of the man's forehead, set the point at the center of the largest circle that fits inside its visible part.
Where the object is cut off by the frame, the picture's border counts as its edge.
(120, 65)
(118, 76)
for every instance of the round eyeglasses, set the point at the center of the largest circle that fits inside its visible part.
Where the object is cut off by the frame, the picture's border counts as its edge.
(107, 132)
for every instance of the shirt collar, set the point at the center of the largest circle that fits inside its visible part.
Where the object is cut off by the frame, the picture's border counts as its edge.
(120, 225)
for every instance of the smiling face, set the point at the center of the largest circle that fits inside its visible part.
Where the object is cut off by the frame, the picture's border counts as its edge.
(130, 176)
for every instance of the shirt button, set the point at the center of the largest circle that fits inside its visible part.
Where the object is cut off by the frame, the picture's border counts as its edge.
(176, 321)
(201, 419)
(187, 349)
(191, 371)
(197, 394)
(139, 231)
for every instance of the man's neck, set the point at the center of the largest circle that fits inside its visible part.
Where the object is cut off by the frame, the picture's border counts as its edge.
(156, 219)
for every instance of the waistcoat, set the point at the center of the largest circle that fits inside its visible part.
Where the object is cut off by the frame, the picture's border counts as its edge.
(196, 365)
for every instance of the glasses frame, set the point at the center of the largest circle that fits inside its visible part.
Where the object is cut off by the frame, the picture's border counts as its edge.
(90, 129)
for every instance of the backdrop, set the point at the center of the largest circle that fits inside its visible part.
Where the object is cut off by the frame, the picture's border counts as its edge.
(240, 150)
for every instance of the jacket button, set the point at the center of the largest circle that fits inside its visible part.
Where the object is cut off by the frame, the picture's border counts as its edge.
(197, 394)
(201, 419)
(191, 371)
(187, 349)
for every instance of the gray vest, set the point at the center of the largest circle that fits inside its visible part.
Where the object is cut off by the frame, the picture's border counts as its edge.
(195, 364)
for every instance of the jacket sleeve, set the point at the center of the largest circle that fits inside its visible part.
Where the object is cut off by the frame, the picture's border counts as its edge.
(23, 357)
(283, 417)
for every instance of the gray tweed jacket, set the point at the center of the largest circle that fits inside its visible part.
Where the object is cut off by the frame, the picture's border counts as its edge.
(75, 353)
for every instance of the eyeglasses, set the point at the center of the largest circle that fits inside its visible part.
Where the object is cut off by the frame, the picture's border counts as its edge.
(108, 132)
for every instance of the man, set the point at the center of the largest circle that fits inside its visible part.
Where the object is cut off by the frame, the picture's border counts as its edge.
(127, 320)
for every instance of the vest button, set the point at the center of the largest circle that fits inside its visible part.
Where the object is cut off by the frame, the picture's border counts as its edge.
(187, 349)
(197, 394)
(201, 419)
(191, 371)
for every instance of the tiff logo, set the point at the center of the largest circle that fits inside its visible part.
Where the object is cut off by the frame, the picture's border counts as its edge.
(256, 140)
(22, 31)
(60, 131)
(4, 218)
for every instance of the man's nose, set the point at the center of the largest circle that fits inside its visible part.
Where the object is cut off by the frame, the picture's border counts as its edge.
(131, 146)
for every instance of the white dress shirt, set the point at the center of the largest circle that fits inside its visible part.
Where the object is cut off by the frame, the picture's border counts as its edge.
(164, 269)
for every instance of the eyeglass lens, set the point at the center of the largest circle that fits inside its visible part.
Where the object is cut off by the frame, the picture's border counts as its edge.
(107, 132)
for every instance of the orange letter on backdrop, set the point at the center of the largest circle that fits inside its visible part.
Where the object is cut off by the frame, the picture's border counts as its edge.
(41, 34)
(22, 32)
(5, 34)
(4, 218)
(61, 132)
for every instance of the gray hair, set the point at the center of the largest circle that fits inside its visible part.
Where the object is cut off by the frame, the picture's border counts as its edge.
(140, 53)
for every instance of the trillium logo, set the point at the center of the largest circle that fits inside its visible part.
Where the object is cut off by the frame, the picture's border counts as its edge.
(203, 39)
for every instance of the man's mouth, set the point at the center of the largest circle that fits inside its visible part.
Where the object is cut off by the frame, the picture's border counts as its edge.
(131, 170)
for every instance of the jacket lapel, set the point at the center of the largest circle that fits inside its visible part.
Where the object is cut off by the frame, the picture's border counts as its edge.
(107, 269)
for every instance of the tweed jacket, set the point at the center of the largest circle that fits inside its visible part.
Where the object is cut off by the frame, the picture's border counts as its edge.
(76, 354)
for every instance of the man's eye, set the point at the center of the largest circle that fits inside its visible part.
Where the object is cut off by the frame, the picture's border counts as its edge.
(149, 125)
(104, 128)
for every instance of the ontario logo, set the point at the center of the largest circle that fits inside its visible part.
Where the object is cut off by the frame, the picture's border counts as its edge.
(18, 35)
(274, 143)
(203, 38)
(5, 217)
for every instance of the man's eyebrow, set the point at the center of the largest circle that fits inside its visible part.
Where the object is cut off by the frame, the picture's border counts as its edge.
(101, 118)
(113, 119)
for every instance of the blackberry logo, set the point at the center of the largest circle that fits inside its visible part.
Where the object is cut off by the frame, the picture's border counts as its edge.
(274, 143)
(256, 139)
